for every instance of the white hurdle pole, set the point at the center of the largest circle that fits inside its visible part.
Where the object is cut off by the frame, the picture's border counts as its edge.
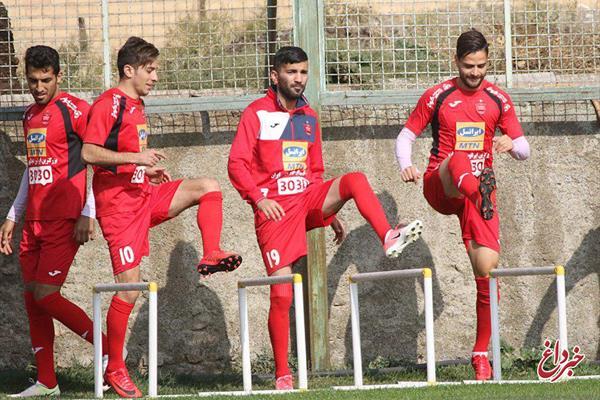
(355, 317)
(429, 336)
(559, 271)
(562, 307)
(152, 288)
(245, 339)
(356, 350)
(494, 311)
(296, 279)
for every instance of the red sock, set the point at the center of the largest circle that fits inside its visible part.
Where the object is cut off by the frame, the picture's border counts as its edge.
(71, 316)
(356, 186)
(210, 220)
(484, 329)
(41, 330)
(459, 167)
(116, 328)
(279, 326)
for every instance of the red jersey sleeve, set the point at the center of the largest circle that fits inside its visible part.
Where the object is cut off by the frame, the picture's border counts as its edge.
(241, 154)
(101, 120)
(315, 155)
(80, 123)
(508, 123)
(421, 115)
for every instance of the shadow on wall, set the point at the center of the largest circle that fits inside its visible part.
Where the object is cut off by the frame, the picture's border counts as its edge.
(192, 335)
(388, 309)
(584, 262)
(15, 347)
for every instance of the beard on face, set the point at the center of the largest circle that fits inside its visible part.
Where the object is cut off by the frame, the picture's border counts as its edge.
(287, 92)
(468, 83)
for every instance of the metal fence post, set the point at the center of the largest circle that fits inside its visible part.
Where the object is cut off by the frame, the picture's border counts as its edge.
(508, 43)
(105, 45)
(307, 16)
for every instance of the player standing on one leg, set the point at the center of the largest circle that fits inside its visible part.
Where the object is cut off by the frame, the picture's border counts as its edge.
(52, 192)
(276, 164)
(133, 195)
(464, 113)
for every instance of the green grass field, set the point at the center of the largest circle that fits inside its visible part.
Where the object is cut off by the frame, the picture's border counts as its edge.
(77, 382)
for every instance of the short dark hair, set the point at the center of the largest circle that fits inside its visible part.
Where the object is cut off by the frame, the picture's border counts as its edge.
(469, 42)
(135, 52)
(42, 57)
(289, 55)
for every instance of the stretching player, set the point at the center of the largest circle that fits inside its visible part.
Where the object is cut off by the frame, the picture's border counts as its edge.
(276, 164)
(52, 192)
(133, 194)
(464, 113)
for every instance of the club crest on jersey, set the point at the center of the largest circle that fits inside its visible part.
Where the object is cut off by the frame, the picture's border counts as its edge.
(480, 107)
(143, 133)
(469, 136)
(307, 128)
(294, 155)
(36, 142)
(46, 118)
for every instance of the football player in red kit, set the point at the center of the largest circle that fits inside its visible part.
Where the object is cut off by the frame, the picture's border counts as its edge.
(133, 194)
(276, 164)
(464, 113)
(57, 222)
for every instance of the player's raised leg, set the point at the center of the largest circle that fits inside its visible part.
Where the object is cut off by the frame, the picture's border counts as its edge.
(206, 193)
(355, 185)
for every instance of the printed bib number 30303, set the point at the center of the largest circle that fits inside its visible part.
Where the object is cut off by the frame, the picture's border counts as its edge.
(291, 185)
(138, 175)
(40, 175)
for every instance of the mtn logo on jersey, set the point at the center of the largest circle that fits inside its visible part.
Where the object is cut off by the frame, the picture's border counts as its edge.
(469, 136)
(294, 155)
(36, 142)
(143, 133)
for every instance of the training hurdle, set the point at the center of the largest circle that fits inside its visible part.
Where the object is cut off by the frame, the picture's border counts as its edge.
(296, 279)
(559, 271)
(354, 314)
(152, 289)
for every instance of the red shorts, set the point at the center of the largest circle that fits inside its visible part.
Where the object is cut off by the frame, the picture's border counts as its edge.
(47, 251)
(283, 242)
(127, 232)
(473, 226)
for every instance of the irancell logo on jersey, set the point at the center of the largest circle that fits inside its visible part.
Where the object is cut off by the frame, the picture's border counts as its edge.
(115, 106)
(436, 94)
(69, 103)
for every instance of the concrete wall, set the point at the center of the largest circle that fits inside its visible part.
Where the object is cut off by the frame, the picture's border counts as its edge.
(550, 214)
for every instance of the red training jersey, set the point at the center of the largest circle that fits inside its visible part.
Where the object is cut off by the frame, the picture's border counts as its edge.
(464, 121)
(118, 122)
(275, 152)
(57, 176)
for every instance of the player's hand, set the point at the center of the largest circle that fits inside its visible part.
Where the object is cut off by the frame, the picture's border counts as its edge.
(502, 144)
(149, 157)
(6, 233)
(271, 209)
(85, 229)
(340, 231)
(158, 175)
(410, 174)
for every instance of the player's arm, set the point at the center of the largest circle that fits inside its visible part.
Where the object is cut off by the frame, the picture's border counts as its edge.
(512, 140)
(417, 121)
(85, 226)
(315, 156)
(14, 214)
(99, 125)
(98, 155)
(238, 166)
